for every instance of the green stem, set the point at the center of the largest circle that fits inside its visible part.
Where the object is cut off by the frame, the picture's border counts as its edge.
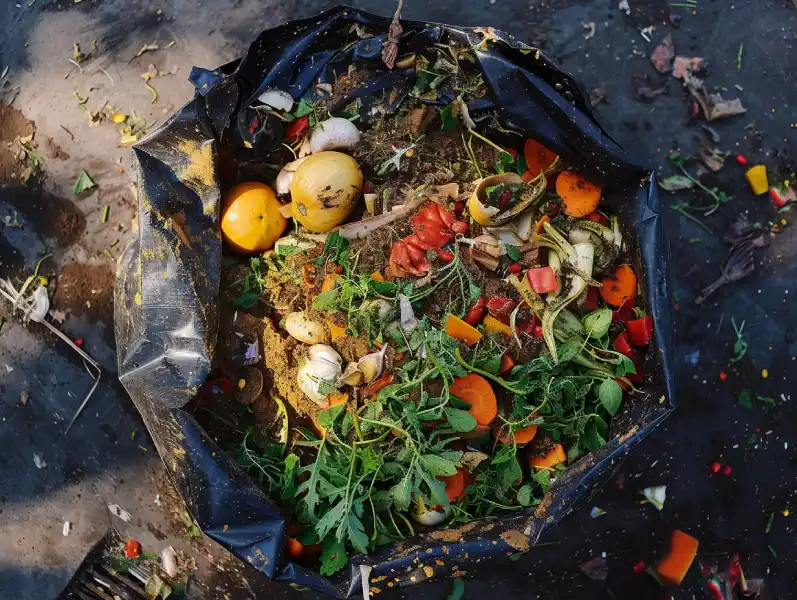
(683, 210)
(498, 380)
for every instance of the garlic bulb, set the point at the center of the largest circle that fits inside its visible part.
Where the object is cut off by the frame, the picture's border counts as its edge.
(301, 327)
(322, 365)
(336, 133)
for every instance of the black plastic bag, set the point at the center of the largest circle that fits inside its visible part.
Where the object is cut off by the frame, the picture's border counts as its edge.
(168, 283)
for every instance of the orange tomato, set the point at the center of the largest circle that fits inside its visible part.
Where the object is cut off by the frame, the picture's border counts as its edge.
(250, 218)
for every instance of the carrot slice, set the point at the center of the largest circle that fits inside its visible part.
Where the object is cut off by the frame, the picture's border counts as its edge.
(295, 548)
(538, 157)
(460, 330)
(522, 436)
(619, 287)
(507, 364)
(554, 457)
(329, 282)
(377, 276)
(476, 391)
(337, 398)
(538, 226)
(455, 485)
(493, 325)
(683, 549)
(335, 331)
(579, 196)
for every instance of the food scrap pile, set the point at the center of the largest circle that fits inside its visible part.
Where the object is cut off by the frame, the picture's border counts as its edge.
(435, 320)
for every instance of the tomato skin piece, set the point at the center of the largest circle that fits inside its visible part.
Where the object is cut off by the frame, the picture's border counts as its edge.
(542, 279)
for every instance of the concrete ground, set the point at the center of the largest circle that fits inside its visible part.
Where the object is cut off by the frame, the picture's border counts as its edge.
(107, 458)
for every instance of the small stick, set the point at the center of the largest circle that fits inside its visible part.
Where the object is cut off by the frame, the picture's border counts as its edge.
(77, 64)
(108, 75)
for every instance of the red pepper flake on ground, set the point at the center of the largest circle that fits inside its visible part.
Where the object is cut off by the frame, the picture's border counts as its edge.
(741, 159)
(723, 376)
(79, 342)
(132, 549)
(715, 467)
(726, 470)
(639, 566)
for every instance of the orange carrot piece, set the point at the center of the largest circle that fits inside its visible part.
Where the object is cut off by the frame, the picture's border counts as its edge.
(476, 391)
(522, 436)
(683, 549)
(493, 325)
(455, 485)
(337, 398)
(538, 226)
(507, 364)
(555, 456)
(329, 282)
(295, 548)
(377, 276)
(308, 275)
(460, 330)
(619, 287)
(538, 157)
(335, 331)
(579, 196)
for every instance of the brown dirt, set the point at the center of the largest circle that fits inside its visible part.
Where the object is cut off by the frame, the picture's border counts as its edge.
(86, 289)
(281, 360)
(516, 539)
(52, 216)
(12, 125)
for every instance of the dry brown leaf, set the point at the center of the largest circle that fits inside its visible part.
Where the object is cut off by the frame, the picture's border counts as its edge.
(684, 65)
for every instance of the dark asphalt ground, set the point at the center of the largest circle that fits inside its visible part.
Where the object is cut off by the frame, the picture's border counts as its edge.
(727, 513)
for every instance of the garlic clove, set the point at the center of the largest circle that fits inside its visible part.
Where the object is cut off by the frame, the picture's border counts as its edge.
(352, 375)
(335, 133)
(283, 183)
(372, 364)
(322, 365)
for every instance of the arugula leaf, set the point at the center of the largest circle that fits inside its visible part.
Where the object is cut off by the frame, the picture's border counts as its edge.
(437, 465)
(402, 491)
(353, 528)
(624, 367)
(491, 364)
(543, 478)
(508, 473)
(597, 322)
(305, 108)
(436, 487)
(336, 249)
(524, 495)
(333, 555)
(331, 518)
(460, 421)
(592, 439)
(569, 349)
(611, 395)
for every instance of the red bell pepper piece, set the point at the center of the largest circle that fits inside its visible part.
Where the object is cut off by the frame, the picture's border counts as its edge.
(371, 389)
(639, 376)
(623, 346)
(597, 217)
(507, 364)
(297, 128)
(623, 315)
(477, 312)
(528, 326)
(640, 331)
(593, 298)
(542, 279)
(444, 255)
(132, 549)
(501, 308)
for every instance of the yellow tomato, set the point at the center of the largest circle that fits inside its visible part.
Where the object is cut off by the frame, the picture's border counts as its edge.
(324, 190)
(250, 218)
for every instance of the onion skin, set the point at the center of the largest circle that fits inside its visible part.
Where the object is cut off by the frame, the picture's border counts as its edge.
(325, 189)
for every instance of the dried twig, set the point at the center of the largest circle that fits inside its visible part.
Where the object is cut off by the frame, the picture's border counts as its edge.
(390, 45)
(108, 75)
(77, 64)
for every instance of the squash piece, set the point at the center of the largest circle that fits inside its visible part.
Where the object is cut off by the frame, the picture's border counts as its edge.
(555, 456)
(460, 330)
(683, 549)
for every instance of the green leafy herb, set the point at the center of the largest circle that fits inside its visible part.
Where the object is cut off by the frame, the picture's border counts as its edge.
(460, 420)
(333, 556)
(336, 249)
(740, 345)
(504, 163)
(597, 322)
(674, 183)
(745, 399)
(611, 395)
(83, 183)
(448, 119)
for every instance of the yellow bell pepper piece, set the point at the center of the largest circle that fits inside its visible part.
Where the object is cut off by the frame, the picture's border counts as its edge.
(757, 178)
(493, 325)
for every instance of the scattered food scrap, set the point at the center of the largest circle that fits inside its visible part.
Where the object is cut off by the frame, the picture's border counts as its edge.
(83, 183)
(656, 495)
(118, 511)
(39, 461)
(683, 549)
(663, 55)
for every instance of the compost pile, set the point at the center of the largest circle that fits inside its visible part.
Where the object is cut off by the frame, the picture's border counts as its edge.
(425, 317)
